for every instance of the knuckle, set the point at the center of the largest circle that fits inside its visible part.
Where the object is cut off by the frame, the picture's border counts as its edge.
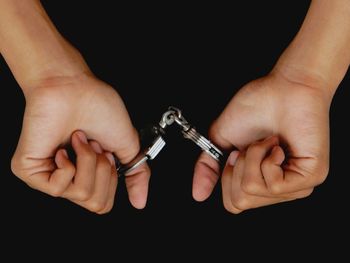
(319, 179)
(31, 185)
(105, 210)
(317, 171)
(83, 194)
(307, 193)
(56, 191)
(108, 207)
(232, 210)
(96, 206)
(241, 202)
(275, 189)
(249, 186)
(16, 167)
(321, 174)
(236, 211)
(229, 208)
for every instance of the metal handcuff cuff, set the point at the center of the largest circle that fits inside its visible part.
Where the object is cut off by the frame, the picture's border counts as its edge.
(172, 115)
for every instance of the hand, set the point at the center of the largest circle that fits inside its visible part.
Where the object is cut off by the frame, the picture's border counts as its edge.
(92, 182)
(257, 170)
(274, 105)
(56, 108)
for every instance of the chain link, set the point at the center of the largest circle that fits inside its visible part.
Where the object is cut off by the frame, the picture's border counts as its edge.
(172, 115)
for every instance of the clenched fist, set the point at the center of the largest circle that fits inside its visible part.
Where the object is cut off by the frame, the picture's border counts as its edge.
(298, 115)
(57, 108)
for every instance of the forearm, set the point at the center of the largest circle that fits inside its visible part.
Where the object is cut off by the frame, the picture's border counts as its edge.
(31, 45)
(320, 53)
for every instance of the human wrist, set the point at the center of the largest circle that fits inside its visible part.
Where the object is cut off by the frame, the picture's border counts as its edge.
(59, 69)
(308, 77)
(319, 55)
(310, 72)
(33, 48)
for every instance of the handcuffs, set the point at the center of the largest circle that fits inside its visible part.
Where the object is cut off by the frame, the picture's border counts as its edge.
(172, 115)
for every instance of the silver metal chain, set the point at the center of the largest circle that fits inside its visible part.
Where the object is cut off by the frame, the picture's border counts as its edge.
(171, 116)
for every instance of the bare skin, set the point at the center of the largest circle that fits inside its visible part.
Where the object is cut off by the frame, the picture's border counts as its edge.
(63, 96)
(292, 103)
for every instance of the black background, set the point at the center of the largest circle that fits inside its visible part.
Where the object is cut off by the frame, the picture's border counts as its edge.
(195, 57)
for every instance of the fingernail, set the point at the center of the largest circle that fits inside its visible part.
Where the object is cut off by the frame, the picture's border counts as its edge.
(96, 147)
(231, 160)
(64, 152)
(110, 158)
(82, 137)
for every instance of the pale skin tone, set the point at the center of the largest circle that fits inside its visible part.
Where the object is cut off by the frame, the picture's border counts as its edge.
(64, 98)
(292, 103)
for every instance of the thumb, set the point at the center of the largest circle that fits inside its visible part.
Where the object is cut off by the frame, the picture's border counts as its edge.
(116, 133)
(138, 180)
(207, 170)
(206, 175)
(137, 184)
